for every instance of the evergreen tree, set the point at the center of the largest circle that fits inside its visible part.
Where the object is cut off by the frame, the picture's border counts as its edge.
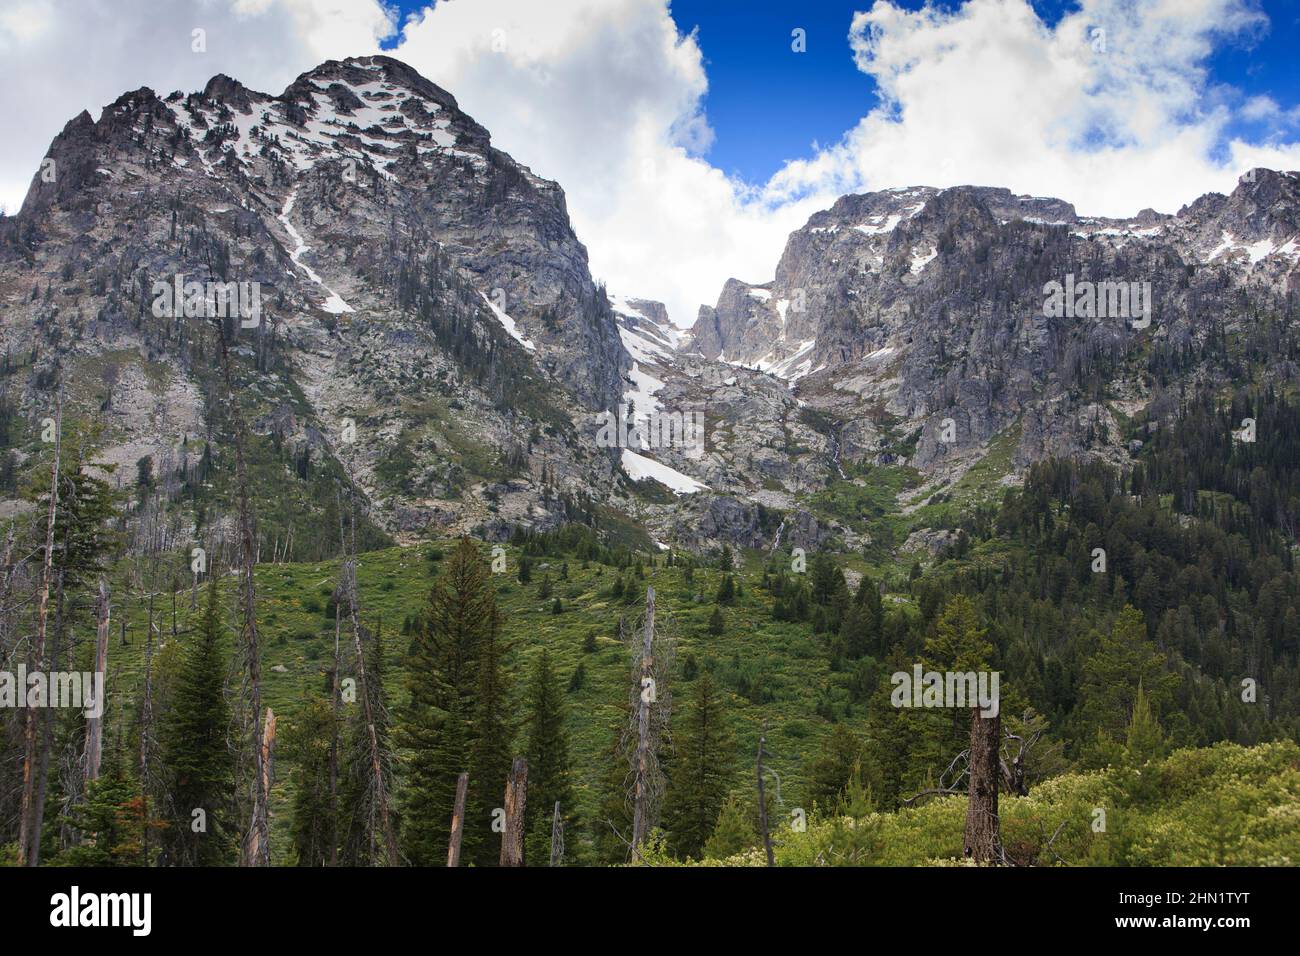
(1144, 740)
(700, 770)
(195, 752)
(490, 757)
(111, 820)
(1125, 659)
(727, 590)
(441, 681)
(548, 763)
(306, 744)
(733, 833)
(360, 830)
(837, 764)
(717, 623)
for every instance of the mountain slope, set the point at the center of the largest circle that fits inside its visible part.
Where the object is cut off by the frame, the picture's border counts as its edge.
(926, 313)
(427, 319)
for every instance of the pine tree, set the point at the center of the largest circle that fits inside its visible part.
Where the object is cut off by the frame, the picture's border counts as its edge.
(873, 615)
(855, 638)
(717, 623)
(726, 590)
(959, 644)
(441, 681)
(1144, 740)
(111, 820)
(1125, 658)
(195, 752)
(733, 833)
(836, 765)
(490, 756)
(548, 763)
(306, 744)
(360, 836)
(700, 772)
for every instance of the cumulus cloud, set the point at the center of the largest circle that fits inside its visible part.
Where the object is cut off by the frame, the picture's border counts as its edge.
(605, 97)
(1111, 108)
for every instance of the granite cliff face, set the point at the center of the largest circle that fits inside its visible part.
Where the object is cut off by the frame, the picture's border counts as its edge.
(427, 316)
(429, 335)
(929, 311)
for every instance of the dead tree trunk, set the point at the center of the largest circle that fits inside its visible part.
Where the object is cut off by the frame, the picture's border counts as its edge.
(983, 841)
(334, 744)
(257, 844)
(266, 748)
(557, 836)
(95, 725)
(376, 760)
(457, 821)
(512, 837)
(29, 838)
(146, 727)
(762, 802)
(47, 721)
(641, 794)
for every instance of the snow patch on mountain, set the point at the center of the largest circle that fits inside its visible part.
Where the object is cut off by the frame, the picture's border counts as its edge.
(639, 468)
(509, 324)
(333, 301)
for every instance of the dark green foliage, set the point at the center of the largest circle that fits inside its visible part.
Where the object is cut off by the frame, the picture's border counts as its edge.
(840, 760)
(442, 677)
(547, 751)
(306, 743)
(717, 624)
(490, 755)
(699, 773)
(111, 821)
(196, 754)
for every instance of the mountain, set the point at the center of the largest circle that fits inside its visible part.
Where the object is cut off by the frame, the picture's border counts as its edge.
(430, 338)
(429, 324)
(898, 312)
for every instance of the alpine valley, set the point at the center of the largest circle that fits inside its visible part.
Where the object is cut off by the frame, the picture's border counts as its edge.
(907, 453)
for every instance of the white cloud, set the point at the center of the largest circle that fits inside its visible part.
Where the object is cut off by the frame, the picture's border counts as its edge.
(604, 96)
(1265, 109)
(1111, 108)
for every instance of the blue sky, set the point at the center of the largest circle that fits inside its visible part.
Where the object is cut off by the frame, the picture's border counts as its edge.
(767, 104)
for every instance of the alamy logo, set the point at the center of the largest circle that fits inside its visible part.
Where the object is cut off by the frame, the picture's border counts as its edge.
(102, 909)
(656, 430)
(947, 689)
(208, 300)
(79, 690)
(1099, 300)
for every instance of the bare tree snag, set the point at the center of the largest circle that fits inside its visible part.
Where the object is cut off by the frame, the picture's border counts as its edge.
(762, 801)
(334, 742)
(512, 837)
(257, 844)
(95, 725)
(640, 804)
(29, 838)
(266, 749)
(557, 836)
(457, 821)
(983, 841)
(376, 762)
(146, 707)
